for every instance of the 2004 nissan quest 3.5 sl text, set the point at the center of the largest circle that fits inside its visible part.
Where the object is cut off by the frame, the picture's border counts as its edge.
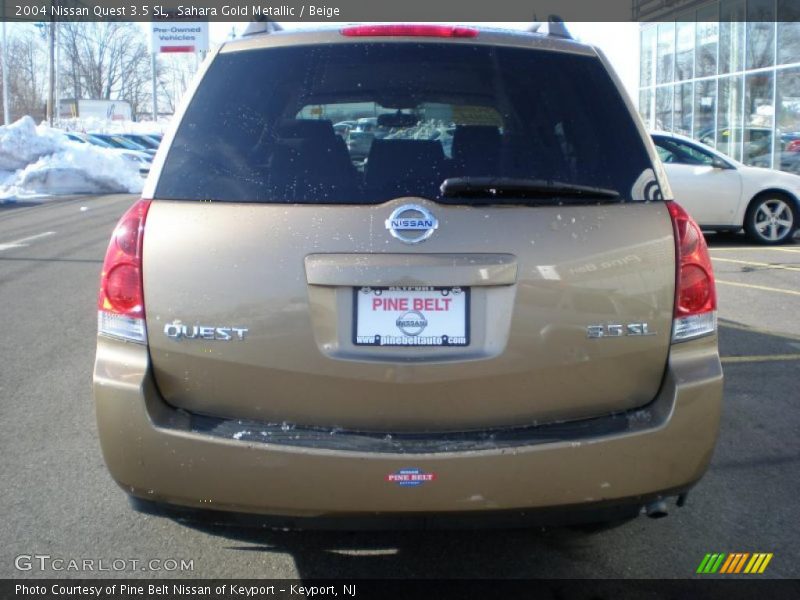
(498, 310)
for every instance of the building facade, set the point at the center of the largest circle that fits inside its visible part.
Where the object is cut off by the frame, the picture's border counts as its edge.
(727, 73)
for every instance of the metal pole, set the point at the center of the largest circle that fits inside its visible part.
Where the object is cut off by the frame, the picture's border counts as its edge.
(155, 91)
(6, 111)
(52, 85)
(57, 107)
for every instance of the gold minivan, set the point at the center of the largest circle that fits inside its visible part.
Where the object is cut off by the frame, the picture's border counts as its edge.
(496, 308)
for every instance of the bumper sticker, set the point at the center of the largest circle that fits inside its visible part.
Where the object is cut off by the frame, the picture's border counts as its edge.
(410, 477)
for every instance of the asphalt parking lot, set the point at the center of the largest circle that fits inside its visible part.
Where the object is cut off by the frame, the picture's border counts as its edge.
(58, 499)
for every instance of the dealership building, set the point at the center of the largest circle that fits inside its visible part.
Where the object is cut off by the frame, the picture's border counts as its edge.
(726, 72)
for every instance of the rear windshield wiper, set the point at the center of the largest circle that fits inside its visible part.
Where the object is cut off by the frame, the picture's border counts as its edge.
(496, 190)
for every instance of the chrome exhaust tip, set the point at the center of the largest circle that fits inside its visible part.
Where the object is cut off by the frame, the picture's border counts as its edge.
(656, 509)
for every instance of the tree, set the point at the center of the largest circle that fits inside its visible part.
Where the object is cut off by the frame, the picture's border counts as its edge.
(101, 61)
(26, 77)
(105, 61)
(175, 72)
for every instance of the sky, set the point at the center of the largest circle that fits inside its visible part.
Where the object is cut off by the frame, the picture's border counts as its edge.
(619, 41)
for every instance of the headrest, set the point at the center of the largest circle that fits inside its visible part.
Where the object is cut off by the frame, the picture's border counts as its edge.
(472, 138)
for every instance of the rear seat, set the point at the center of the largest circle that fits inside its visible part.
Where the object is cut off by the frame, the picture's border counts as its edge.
(308, 160)
(476, 150)
(403, 165)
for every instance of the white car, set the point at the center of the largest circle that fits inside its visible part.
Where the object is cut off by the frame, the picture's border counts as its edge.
(724, 195)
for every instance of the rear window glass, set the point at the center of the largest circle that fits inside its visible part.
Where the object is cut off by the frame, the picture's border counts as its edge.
(359, 123)
(366, 123)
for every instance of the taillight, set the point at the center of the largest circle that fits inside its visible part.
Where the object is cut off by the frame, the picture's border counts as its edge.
(793, 146)
(409, 30)
(695, 294)
(120, 302)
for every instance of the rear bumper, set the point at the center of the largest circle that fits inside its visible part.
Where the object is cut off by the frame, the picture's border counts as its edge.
(599, 516)
(161, 454)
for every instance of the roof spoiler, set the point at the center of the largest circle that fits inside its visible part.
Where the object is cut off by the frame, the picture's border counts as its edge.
(555, 27)
(261, 25)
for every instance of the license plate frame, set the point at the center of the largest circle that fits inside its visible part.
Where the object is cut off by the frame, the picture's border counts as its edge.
(406, 341)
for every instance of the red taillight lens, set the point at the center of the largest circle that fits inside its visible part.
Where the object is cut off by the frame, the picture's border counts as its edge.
(123, 290)
(121, 298)
(793, 146)
(695, 290)
(695, 294)
(447, 31)
(126, 234)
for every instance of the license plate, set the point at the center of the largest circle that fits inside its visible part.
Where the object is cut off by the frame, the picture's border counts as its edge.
(411, 316)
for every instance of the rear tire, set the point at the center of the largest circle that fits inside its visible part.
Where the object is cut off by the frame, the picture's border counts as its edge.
(771, 219)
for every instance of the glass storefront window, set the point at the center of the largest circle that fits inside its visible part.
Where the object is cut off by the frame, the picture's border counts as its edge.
(759, 113)
(645, 99)
(664, 108)
(728, 74)
(760, 33)
(787, 105)
(665, 53)
(731, 36)
(648, 49)
(705, 110)
(729, 117)
(682, 120)
(684, 55)
(788, 32)
(706, 43)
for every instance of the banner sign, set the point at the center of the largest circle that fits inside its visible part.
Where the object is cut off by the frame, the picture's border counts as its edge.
(179, 37)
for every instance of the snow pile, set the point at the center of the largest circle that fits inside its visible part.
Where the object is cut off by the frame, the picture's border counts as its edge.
(94, 125)
(21, 144)
(37, 161)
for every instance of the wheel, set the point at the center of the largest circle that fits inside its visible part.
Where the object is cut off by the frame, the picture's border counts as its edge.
(771, 219)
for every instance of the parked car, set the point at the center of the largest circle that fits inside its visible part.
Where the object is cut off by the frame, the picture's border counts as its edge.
(368, 124)
(494, 333)
(757, 143)
(146, 141)
(787, 158)
(119, 141)
(359, 143)
(722, 194)
(142, 159)
(789, 161)
(85, 138)
(342, 128)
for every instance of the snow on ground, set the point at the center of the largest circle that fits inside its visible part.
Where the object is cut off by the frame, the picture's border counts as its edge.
(39, 161)
(92, 125)
(21, 144)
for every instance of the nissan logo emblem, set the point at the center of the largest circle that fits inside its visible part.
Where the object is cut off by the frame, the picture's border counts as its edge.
(411, 223)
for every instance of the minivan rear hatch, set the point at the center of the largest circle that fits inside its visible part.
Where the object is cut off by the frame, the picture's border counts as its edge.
(497, 255)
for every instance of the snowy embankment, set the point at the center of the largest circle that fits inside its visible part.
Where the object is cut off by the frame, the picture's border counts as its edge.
(105, 126)
(40, 161)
